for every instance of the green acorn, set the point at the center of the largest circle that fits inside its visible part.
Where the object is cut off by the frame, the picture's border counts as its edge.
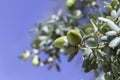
(59, 42)
(70, 3)
(36, 60)
(74, 37)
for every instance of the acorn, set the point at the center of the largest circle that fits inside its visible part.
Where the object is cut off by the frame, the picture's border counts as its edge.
(74, 37)
(60, 42)
(70, 3)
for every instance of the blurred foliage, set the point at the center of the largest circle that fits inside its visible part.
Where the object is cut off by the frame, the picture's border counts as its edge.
(84, 26)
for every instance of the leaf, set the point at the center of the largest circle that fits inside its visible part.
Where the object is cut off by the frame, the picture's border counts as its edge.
(111, 18)
(115, 42)
(107, 76)
(72, 56)
(114, 3)
(59, 13)
(87, 58)
(87, 28)
(91, 41)
(92, 66)
(57, 67)
(25, 55)
(36, 43)
(91, 16)
(106, 67)
(114, 14)
(95, 73)
(114, 70)
(50, 66)
(104, 38)
(111, 33)
(110, 23)
(108, 6)
(86, 63)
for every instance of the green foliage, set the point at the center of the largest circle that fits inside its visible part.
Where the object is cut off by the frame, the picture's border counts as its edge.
(99, 38)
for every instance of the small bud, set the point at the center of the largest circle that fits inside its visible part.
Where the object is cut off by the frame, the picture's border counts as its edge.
(60, 42)
(35, 60)
(74, 37)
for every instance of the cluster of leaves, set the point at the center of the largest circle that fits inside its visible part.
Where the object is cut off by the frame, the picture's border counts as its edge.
(99, 38)
(46, 32)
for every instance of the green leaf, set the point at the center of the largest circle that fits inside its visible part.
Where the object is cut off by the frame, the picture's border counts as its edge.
(110, 18)
(107, 76)
(91, 16)
(92, 66)
(91, 42)
(106, 67)
(87, 28)
(57, 67)
(95, 73)
(108, 6)
(114, 70)
(50, 66)
(36, 43)
(115, 42)
(72, 55)
(114, 3)
(86, 63)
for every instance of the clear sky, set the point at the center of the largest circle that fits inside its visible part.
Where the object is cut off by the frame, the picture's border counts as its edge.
(16, 18)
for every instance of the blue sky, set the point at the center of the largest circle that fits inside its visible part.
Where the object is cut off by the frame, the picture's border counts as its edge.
(16, 18)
